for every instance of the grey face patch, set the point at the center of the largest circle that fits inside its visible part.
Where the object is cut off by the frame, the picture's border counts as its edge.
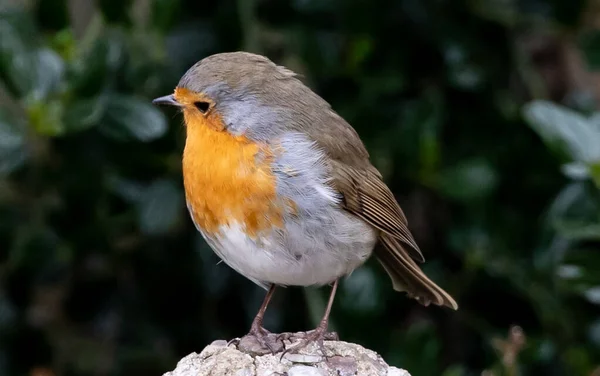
(250, 117)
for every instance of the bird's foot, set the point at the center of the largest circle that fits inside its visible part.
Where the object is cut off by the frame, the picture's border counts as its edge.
(297, 336)
(318, 336)
(259, 341)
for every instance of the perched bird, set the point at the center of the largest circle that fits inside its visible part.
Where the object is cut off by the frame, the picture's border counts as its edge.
(281, 187)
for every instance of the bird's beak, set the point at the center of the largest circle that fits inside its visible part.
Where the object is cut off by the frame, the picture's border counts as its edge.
(168, 100)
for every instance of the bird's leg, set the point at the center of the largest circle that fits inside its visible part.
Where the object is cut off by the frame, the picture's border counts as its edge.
(257, 333)
(256, 329)
(319, 334)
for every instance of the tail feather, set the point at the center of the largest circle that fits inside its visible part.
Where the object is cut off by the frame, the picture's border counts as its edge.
(407, 276)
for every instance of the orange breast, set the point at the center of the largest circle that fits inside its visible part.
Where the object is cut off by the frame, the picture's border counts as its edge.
(224, 182)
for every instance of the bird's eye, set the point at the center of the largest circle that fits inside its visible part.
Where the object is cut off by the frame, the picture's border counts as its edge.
(202, 106)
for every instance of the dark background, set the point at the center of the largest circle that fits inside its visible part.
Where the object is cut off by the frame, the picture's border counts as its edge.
(480, 114)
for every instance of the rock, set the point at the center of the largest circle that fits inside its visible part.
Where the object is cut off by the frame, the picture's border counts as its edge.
(342, 359)
(305, 371)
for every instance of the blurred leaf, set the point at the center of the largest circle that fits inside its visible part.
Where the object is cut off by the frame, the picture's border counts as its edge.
(579, 231)
(593, 294)
(85, 113)
(160, 207)
(64, 43)
(455, 370)
(462, 73)
(45, 117)
(26, 69)
(128, 190)
(589, 43)
(360, 49)
(116, 11)
(594, 332)
(595, 173)
(579, 273)
(215, 279)
(164, 14)
(360, 292)
(575, 212)
(579, 360)
(12, 144)
(430, 148)
(187, 42)
(49, 71)
(16, 47)
(470, 180)
(93, 71)
(564, 130)
(130, 118)
(576, 170)
(422, 121)
(419, 349)
(504, 12)
(36, 249)
(381, 83)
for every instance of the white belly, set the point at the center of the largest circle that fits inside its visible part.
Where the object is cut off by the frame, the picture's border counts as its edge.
(300, 255)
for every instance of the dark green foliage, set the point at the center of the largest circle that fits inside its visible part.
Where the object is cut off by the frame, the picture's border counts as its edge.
(103, 273)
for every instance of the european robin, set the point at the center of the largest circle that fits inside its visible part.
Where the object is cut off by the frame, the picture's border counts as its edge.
(281, 187)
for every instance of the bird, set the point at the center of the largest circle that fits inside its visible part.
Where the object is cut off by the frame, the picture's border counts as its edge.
(282, 188)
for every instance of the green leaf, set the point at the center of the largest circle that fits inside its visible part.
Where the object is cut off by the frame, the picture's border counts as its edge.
(164, 14)
(49, 73)
(26, 69)
(12, 144)
(84, 114)
(422, 121)
(594, 170)
(160, 207)
(128, 190)
(576, 170)
(564, 130)
(462, 73)
(575, 212)
(579, 273)
(360, 49)
(594, 332)
(129, 118)
(455, 370)
(360, 292)
(579, 231)
(472, 179)
(419, 349)
(589, 43)
(15, 49)
(46, 118)
(94, 70)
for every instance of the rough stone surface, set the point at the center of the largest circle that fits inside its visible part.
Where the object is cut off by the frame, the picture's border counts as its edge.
(342, 359)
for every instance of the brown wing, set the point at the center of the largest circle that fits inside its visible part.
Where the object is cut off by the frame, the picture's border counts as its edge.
(366, 196)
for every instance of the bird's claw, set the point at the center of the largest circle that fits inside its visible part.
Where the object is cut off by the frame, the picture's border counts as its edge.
(318, 335)
(260, 341)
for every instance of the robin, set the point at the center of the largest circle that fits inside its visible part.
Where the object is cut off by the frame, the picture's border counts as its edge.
(281, 187)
